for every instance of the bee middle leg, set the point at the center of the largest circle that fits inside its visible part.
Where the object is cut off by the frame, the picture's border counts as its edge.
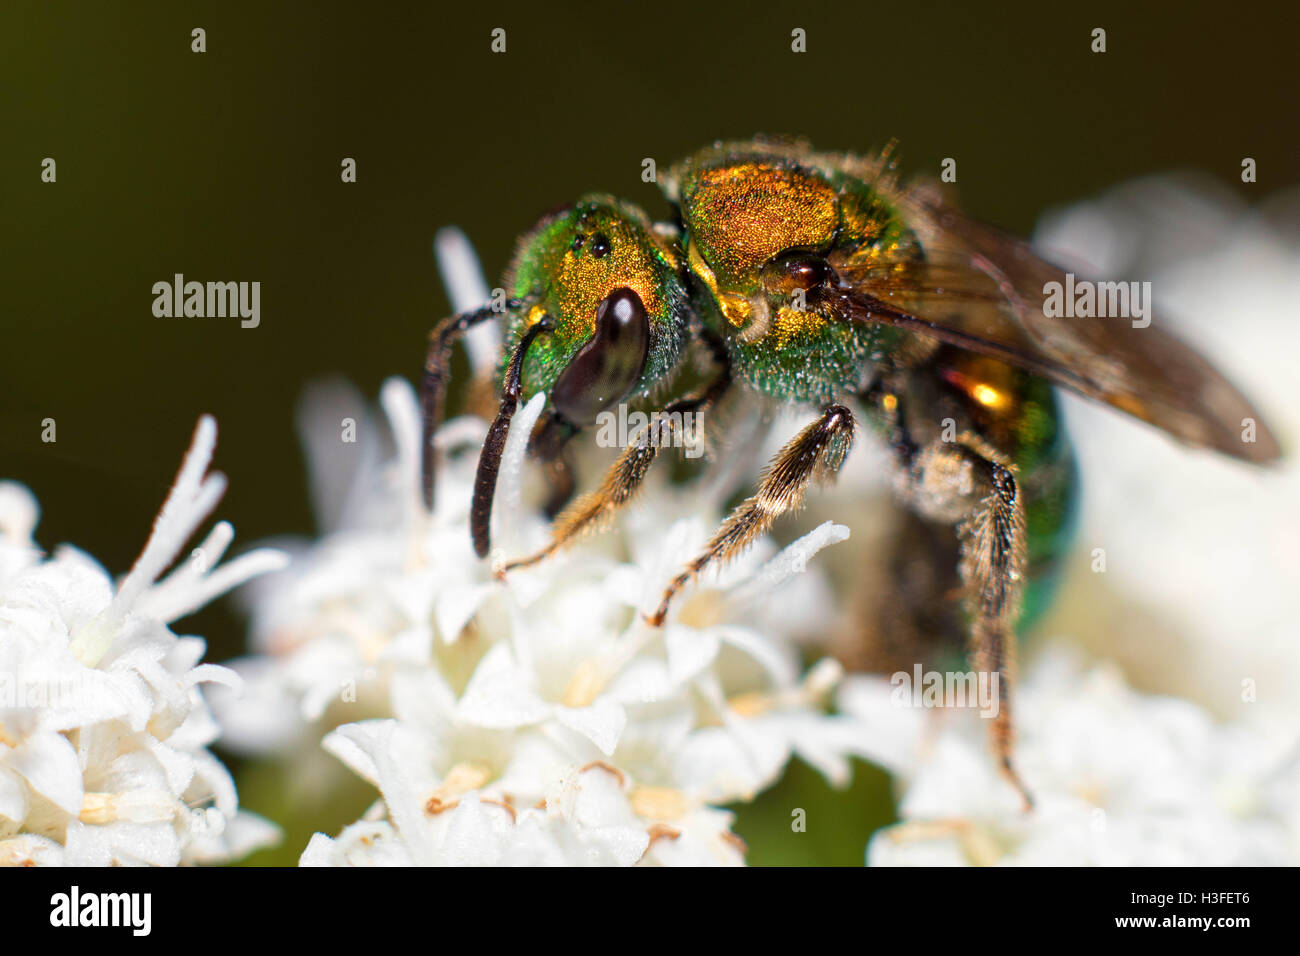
(816, 452)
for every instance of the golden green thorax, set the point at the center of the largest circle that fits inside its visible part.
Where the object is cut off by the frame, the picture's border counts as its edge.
(745, 205)
(757, 217)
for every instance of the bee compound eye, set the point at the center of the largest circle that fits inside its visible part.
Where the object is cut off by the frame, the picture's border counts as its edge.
(805, 272)
(604, 370)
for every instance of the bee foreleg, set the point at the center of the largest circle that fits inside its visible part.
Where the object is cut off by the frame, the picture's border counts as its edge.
(593, 511)
(817, 451)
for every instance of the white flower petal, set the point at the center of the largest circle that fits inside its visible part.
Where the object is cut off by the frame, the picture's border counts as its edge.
(49, 763)
(602, 723)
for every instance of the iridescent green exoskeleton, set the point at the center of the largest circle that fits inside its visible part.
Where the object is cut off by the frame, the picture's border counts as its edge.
(820, 280)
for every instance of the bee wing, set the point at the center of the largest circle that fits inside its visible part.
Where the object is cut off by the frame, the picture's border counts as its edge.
(983, 290)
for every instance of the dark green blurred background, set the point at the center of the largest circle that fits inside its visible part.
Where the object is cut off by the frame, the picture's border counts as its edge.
(225, 166)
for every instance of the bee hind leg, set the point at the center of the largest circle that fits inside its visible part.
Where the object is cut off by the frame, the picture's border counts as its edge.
(971, 482)
(993, 568)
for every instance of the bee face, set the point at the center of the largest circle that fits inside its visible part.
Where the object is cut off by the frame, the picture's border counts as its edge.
(612, 290)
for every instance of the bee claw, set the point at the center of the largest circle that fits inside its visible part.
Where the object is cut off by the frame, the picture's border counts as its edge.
(1013, 778)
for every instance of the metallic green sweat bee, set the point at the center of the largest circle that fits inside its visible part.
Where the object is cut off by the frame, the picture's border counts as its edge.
(818, 279)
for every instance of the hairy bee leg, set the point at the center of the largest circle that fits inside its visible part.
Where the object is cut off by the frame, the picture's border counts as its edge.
(817, 451)
(626, 474)
(966, 482)
(993, 571)
(968, 478)
(620, 484)
(591, 511)
(433, 383)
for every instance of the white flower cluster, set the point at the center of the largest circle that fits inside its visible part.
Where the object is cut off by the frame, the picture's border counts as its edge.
(540, 719)
(103, 728)
(1120, 779)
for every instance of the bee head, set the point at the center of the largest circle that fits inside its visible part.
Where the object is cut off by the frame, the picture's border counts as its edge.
(611, 290)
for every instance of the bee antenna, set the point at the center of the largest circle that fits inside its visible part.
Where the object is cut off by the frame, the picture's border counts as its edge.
(433, 384)
(489, 462)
